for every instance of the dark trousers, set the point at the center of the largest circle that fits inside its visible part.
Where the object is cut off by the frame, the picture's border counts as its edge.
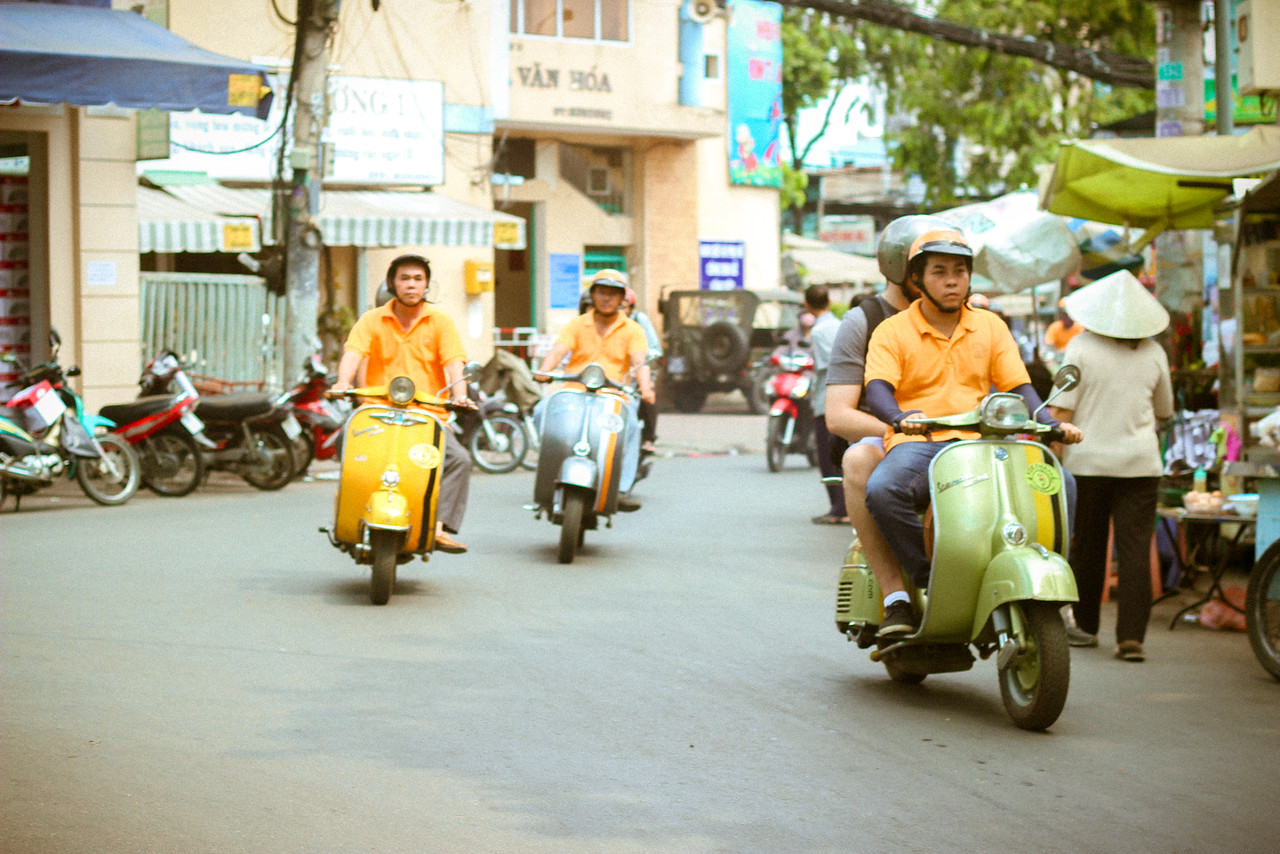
(649, 422)
(828, 467)
(1129, 505)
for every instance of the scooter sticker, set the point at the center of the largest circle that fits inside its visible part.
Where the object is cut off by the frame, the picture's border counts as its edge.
(611, 422)
(424, 455)
(1044, 478)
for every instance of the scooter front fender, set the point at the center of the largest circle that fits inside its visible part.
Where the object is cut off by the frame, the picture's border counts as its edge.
(578, 471)
(1024, 573)
(784, 406)
(387, 509)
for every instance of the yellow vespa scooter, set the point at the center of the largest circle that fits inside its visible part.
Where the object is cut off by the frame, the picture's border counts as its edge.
(392, 461)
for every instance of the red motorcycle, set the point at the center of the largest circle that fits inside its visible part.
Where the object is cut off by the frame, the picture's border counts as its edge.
(320, 417)
(168, 436)
(791, 412)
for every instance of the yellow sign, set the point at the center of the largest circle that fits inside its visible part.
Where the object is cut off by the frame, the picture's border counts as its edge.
(239, 237)
(244, 90)
(506, 235)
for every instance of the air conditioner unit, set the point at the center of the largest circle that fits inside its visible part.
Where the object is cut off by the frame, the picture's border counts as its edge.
(597, 181)
(701, 11)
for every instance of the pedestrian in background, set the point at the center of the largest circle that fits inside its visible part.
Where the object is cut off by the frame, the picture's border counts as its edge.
(1124, 393)
(821, 337)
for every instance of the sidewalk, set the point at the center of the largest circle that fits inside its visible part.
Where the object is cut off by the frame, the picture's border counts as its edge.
(710, 433)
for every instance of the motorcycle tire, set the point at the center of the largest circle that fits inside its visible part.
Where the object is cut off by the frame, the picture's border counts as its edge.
(757, 392)
(775, 450)
(1034, 685)
(304, 451)
(385, 546)
(113, 478)
(275, 443)
(1262, 610)
(506, 452)
(172, 464)
(571, 530)
(724, 347)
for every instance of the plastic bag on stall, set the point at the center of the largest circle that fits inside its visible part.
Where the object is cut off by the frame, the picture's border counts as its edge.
(1191, 445)
(1267, 430)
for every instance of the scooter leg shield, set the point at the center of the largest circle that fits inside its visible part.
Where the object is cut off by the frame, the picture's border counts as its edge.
(1021, 574)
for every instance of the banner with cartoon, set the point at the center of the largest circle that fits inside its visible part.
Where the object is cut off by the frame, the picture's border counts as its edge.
(755, 93)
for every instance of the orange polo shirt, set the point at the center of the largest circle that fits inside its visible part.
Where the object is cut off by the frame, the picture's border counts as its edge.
(419, 353)
(1058, 336)
(940, 375)
(613, 350)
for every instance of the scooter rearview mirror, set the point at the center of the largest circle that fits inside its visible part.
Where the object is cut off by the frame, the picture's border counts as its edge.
(1067, 378)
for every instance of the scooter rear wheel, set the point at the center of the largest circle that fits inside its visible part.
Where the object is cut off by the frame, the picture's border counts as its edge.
(1034, 685)
(385, 545)
(575, 506)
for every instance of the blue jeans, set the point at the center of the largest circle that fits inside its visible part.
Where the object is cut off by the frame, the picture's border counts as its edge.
(891, 491)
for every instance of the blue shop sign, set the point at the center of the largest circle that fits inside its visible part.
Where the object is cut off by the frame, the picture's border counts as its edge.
(720, 264)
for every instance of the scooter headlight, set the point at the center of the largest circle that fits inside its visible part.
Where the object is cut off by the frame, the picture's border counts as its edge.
(391, 477)
(401, 390)
(593, 377)
(1014, 534)
(1005, 411)
(801, 388)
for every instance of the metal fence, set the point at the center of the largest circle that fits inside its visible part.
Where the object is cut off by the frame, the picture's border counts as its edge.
(230, 328)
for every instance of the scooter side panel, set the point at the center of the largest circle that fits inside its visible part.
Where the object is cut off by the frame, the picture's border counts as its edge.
(369, 446)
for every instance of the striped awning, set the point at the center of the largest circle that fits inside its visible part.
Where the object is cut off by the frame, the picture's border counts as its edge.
(168, 224)
(367, 218)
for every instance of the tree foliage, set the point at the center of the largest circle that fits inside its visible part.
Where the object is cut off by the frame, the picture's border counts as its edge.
(969, 122)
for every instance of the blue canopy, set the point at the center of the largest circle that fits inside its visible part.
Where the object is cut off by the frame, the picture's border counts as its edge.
(84, 56)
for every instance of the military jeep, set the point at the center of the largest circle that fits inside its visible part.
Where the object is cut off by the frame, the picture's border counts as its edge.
(714, 340)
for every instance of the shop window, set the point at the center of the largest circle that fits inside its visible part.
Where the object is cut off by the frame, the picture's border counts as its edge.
(596, 258)
(595, 20)
(514, 156)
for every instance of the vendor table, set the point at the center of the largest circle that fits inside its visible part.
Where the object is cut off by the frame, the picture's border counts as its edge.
(1196, 532)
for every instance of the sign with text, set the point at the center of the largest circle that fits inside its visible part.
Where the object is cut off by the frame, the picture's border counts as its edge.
(382, 132)
(855, 234)
(720, 264)
(566, 280)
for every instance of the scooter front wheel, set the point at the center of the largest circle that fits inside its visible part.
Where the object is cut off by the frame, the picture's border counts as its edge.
(112, 478)
(575, 506)
(498, 445)
(775, 448)
(385, 546)
(275, 464)
(1034, 684)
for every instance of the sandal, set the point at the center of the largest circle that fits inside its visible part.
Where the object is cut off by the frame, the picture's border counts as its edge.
(828, 519)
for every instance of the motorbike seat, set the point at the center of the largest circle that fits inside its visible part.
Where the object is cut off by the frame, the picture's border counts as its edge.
(16, 446)
(233, 407)
(133, 410)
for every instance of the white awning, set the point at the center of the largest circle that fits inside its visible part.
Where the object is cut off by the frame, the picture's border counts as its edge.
(364, 217)
(168, 224)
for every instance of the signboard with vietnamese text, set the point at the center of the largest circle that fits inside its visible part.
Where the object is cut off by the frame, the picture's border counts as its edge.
(388, 132)
(720, 264)
(856, 234)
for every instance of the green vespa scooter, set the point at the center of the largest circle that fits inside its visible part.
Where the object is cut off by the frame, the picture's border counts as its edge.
(997, 528)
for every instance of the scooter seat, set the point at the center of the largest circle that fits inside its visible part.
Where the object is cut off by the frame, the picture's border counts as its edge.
(233, 407)
(127, 413)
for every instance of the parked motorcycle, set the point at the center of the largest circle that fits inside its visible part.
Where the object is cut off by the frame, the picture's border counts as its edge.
(166, 434)
(996, 526)
(1262, 610)
(790, 428)
(492, 432)
(392, 462)
(250, 432)
(45, 433)
(580, 462)
(320, 417)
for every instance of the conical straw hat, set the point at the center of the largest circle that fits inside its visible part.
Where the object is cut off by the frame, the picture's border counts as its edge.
(1117, 306)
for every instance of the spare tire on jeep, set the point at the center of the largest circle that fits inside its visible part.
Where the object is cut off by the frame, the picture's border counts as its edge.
(724, 347)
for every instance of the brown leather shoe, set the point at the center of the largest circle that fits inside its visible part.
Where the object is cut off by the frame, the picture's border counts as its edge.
(447, 544)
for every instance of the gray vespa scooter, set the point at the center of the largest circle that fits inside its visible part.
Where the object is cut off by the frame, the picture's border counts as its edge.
(580, 458)
(997, 525)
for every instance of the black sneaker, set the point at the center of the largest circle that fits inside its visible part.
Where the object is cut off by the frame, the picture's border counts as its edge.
(899, 619)
(627, 504)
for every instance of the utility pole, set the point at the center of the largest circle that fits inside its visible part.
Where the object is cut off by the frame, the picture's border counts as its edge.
(316, 19)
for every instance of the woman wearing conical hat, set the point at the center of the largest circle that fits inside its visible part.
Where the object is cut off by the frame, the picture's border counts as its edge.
(1124, 393)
